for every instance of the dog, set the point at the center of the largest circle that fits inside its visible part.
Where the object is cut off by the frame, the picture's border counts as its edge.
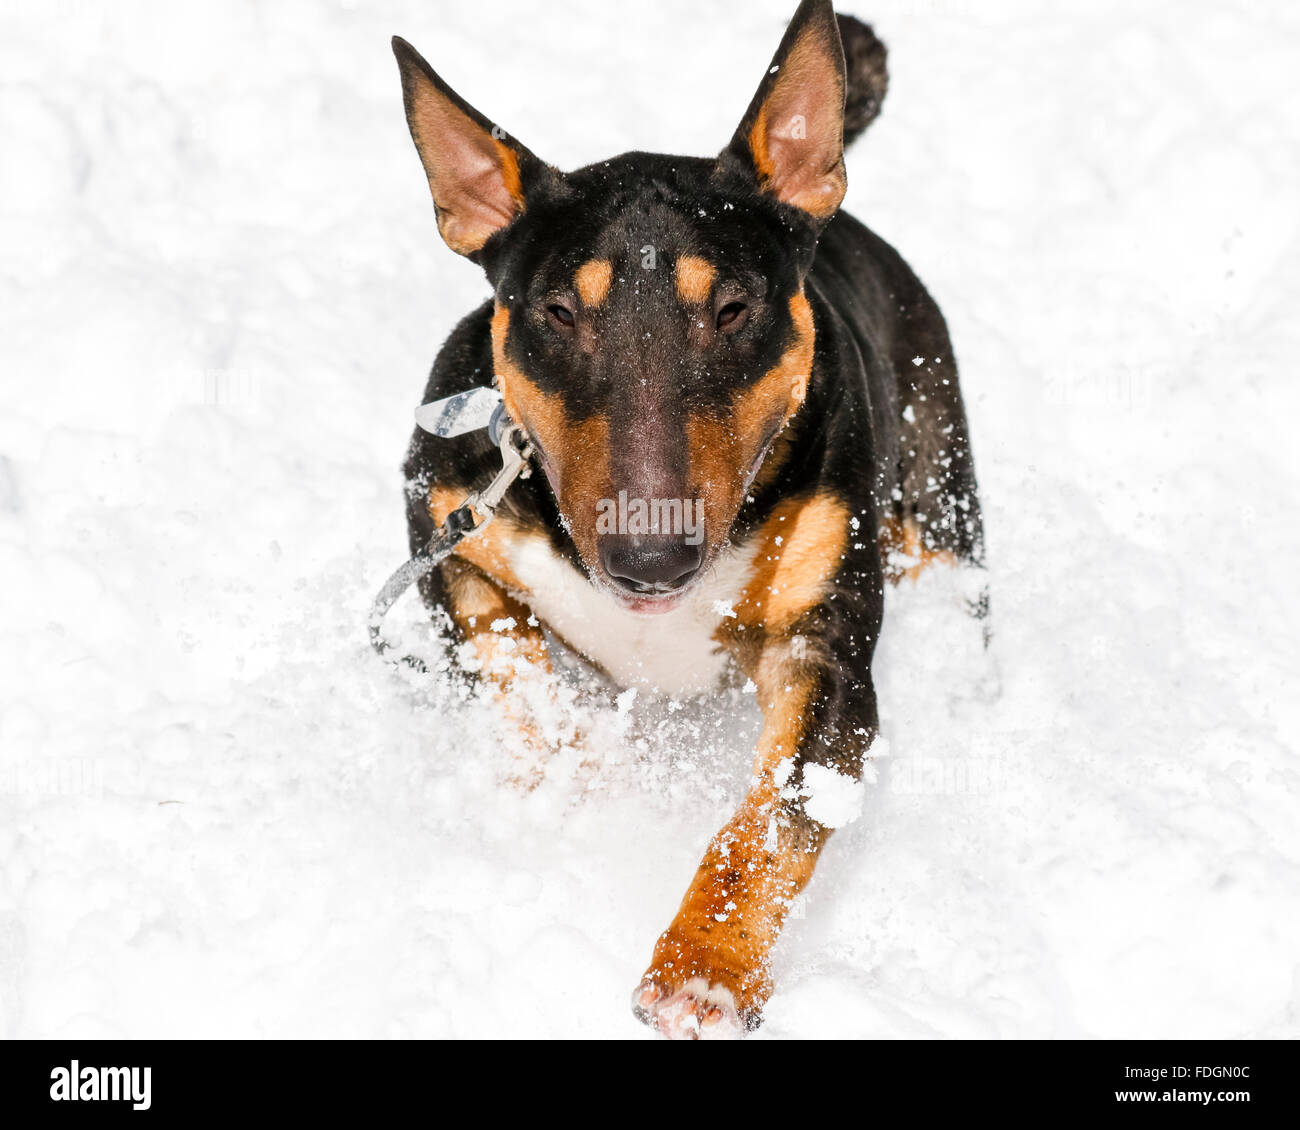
(746, 411)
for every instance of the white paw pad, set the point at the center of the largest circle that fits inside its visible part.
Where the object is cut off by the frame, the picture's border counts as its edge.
(696, 1011)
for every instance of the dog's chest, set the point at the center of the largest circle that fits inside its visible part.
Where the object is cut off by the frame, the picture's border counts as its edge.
(674, 652)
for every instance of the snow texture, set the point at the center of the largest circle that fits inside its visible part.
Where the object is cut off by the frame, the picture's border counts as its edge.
(832, 799)
(222, 287)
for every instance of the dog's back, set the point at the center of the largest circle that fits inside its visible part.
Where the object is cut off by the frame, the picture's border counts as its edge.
(924, 477)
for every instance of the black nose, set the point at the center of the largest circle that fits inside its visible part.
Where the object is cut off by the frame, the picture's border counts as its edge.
(653, 564)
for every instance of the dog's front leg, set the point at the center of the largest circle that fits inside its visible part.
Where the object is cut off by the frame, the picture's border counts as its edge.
(710, 973)
(506, 639)
(508, 652)
(507, 648)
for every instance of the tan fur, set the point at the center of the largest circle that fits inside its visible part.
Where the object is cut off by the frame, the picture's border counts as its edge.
(592, 281)
(786, 383)
(732, 915)
(489, 549)
(800, 548)
(903, 553)
(509, 162)
(578, 452)
(476, 604)
(723, 448)
(695, 278)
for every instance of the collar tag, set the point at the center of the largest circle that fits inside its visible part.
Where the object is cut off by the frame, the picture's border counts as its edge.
(455, 415)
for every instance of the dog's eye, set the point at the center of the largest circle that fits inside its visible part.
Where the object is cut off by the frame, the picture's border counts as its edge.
(560, 315)
(732, 316)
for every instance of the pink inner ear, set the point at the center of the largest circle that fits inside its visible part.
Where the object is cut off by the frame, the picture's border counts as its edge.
(798, 140)
(474, 177)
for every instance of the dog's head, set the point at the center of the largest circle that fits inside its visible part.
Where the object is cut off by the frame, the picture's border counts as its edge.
(651, 331)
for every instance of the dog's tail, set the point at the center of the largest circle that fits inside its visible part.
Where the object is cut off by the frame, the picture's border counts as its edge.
(867, 77)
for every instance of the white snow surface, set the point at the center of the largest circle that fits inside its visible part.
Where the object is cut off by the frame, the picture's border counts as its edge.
(222, 288)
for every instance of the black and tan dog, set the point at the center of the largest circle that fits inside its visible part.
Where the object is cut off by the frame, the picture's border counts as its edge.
(716, 335)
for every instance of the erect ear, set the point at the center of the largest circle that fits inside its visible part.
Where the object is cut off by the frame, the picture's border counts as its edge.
(477, 173)
(791, 140)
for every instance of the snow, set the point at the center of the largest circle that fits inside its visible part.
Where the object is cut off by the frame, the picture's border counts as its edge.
(833, 799)
(220, 815)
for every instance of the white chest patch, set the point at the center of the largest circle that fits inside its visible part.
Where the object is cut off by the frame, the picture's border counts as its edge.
(672, 652)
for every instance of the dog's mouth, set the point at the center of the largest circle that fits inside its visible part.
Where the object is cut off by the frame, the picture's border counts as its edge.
(647, 604)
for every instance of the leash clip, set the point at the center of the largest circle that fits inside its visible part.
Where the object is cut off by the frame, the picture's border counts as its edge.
(516, 451)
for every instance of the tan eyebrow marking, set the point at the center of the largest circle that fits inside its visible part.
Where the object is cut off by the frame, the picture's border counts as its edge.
(592, 280)
(694, 278)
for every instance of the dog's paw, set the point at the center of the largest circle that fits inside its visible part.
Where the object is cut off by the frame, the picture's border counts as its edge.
(697, 1010)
